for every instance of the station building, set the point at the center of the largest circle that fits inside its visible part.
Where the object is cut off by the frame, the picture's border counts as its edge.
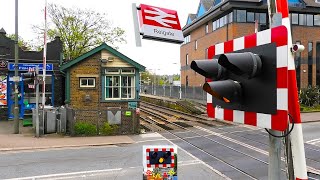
(217, 21)
(102, 86)
(29, 59)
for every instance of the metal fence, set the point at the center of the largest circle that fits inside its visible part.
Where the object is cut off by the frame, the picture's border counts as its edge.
(187, 92)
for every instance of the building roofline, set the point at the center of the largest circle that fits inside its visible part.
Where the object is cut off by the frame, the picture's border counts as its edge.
(230, 4)
(213, 12)
(103, 46)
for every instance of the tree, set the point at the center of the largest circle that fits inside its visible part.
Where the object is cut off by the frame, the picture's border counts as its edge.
(80, 30)
(24, 45)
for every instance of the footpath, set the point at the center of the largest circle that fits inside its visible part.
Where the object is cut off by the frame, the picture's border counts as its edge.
(26, 140)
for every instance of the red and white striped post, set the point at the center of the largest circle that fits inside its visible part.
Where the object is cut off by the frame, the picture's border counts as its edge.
(44, 56)
(298, 153)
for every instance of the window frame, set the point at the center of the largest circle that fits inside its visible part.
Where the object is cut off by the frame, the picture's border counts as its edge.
(187, 59)
(87, 85)
(120, 85)
(245, 15)
(207, 28)
(304, 18)
(195, 44)
(249, 12)
(312, 19)
(295, 15)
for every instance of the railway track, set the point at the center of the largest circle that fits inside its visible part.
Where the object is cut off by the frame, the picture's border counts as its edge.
(164, 114)
(179, 116)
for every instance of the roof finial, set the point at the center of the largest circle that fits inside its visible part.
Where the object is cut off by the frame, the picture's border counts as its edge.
(2, 31)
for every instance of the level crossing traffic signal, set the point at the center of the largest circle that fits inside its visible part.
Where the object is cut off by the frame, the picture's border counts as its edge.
(242, 80)
(247, 79)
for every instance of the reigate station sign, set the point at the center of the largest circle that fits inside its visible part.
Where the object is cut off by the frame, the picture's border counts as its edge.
(159, 24)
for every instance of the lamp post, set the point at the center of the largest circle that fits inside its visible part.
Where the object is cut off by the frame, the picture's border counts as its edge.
(180, 91)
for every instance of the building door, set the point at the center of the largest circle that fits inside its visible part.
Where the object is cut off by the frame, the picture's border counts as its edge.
(318, 64)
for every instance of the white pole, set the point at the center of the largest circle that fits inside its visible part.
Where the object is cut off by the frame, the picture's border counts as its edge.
(44, 56)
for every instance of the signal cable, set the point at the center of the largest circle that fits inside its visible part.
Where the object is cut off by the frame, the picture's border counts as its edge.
(284, 135)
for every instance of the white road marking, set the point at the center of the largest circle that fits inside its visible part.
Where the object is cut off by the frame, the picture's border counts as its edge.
(83, 174)
(314, 141)
(67, 174)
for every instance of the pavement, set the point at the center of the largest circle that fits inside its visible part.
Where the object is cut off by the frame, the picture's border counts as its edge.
(310, 117)
(26, 140)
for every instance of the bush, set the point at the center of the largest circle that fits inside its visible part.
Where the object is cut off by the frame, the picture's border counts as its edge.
(108, 129)
(309, 96)
(85, 128)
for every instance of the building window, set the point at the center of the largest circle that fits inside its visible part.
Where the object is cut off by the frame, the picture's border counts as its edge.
(317, 20)
(241, 15)
(230, 17)
(263, 18)
(187, 39)
(302, 19)
(87, 82)
(310, 62)
(120, 86)
(214, 25)
(309, 20)
(250, 17)
(187, 59)
(206, 51)
(196, 44)
(207, 28)
(294, 18)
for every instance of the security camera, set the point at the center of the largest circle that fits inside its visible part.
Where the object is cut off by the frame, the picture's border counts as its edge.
(297, 48)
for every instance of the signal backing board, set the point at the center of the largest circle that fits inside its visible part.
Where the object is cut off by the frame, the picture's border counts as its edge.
(277, 120)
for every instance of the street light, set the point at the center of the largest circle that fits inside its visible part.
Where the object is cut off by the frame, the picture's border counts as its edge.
(180, 91)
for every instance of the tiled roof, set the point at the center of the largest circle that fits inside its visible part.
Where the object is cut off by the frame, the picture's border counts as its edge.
(2, 31)
(192, 16)
(312, 3)
(207, 4)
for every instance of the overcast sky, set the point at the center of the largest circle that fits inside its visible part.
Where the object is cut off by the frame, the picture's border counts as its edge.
(154, 55)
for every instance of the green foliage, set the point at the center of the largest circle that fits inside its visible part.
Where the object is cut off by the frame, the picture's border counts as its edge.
(304, 108)
(85, 128)
(24, 45)
(80, 30)
(108, 129)
(310, 96)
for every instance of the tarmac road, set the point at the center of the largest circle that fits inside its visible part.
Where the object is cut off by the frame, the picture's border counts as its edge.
(125, 161)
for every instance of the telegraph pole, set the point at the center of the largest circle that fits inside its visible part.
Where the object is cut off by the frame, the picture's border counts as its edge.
(17, 79)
